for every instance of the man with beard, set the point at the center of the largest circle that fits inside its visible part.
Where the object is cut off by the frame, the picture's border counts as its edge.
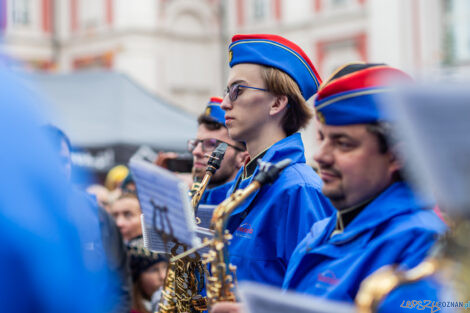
(379, 220)
(210, 133)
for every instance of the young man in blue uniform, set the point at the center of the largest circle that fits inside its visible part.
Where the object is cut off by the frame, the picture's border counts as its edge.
(210, 133)
(269, 81)
(379, 220)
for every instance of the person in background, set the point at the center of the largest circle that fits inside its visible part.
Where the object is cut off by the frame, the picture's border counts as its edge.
(42, 266)
(115, 177)
(126, 212)
(210, 133)
(148, 275)
(128, 184)
(102, 243)
(102, 196)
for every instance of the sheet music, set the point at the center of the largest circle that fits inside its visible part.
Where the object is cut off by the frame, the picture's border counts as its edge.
(434, 123)
(165, 205)
(154, 241)
(257, 298)
(204, 212)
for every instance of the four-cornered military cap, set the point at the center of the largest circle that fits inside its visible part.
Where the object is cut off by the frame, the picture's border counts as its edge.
(214, 111)
(278, 52)
(349, 96)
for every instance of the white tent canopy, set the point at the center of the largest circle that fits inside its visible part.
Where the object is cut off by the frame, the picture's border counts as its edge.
(102, 108)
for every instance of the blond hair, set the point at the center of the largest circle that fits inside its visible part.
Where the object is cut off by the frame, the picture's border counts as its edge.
(298, 113)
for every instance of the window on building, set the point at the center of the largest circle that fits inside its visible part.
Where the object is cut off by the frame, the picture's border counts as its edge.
(341, 4)
(92, 13)
(21, 12)
(261, 9)
(457, 31)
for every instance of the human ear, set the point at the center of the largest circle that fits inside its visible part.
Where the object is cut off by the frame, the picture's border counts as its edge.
(241, 157)
(279, 104)
(396, 161)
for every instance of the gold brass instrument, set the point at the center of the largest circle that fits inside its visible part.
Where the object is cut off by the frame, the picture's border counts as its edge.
(168, 299)
(213, 165)
(194, 187)
(185, 276)
(183, 285)
(450, 259)
(222, 278)
(189, 279)
(376, 287)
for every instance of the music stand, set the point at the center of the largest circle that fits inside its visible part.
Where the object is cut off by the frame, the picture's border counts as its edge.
(167, 214)
(257, 298)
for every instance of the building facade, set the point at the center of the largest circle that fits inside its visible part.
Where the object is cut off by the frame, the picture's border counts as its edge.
(178, 48)
(170, 47)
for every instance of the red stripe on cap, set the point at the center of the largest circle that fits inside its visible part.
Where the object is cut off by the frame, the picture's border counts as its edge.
(282, 41)
(367, 78)
(216, 100)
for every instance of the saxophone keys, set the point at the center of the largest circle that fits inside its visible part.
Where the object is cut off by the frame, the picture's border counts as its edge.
(219, 246)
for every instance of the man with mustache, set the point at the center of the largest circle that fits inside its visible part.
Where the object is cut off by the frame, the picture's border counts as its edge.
(379, 220)
(210, 133)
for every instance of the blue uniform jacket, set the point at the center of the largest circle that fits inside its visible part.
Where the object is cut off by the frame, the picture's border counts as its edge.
(392, 229)
(216, 195)
(270, 223)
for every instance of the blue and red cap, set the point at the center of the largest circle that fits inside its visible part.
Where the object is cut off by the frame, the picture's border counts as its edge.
(278, 52)
(214, 111)
(350, 95)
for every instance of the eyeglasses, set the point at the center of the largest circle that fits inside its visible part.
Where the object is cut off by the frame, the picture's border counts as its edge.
(234, 90)
(208, 145)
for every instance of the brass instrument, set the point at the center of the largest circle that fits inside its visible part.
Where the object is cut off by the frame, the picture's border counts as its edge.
(183, 285)
(194, 187)
(185, 276)
(213, 165)
(167, 301)
(222, 278)
(376, 287)
(450, 259)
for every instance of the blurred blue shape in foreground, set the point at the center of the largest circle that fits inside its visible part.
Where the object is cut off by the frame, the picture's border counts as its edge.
(41, 264)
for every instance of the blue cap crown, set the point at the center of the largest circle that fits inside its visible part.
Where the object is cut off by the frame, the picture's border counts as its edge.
(278, 52)
(214, 111)
(350, 95)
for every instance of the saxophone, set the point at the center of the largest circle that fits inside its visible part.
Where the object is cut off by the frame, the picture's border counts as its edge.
(222, 278)
(183, 285)
(213, 165)
(194, 187)
(185, 276)
(377, 286)
(167, 301)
